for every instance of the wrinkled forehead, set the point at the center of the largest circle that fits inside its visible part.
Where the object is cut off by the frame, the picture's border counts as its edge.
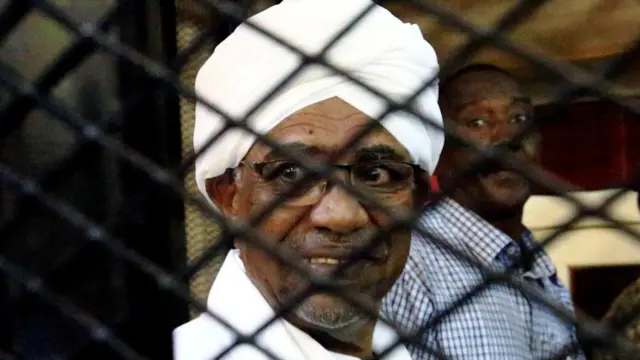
(480, 86)
(325, 128)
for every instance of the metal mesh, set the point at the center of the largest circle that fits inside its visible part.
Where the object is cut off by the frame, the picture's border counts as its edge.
(201, 232)
(196, 29)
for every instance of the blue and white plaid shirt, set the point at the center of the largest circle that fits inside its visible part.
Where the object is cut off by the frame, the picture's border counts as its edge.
(499, 322)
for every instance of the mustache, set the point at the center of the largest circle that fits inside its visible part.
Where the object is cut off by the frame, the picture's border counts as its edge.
(343, 244)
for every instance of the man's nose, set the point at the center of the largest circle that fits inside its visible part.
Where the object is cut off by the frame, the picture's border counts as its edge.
(504, 135)
(339, 212)
(499, 132)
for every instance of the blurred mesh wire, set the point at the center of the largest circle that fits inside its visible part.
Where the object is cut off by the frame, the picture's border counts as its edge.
(201, 232)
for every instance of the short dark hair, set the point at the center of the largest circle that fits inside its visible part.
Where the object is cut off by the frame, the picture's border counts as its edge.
(447, 81)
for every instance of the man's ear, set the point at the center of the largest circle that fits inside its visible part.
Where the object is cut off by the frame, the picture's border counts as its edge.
(222, 190)
(443, 170)
(423, 189)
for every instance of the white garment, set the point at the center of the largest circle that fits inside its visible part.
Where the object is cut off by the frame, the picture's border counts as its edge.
(237, 301)
(380, 51)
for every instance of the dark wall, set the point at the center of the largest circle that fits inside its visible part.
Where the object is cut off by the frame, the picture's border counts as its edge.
(593, 145)
(144, 216)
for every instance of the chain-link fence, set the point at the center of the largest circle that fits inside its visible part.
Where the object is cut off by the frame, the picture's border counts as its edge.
(95, 222)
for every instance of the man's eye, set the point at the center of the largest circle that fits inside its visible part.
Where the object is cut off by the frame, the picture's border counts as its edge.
(519, 119)
(478, 122)
(374, 176)
(284, 171)
(381, 175)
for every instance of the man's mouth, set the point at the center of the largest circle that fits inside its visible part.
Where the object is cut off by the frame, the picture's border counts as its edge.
(503, 178)
(322, 254)
(355, 272)
(491, 167)
(325, 261)
(326, 266)
(329, 261)
(503, 175)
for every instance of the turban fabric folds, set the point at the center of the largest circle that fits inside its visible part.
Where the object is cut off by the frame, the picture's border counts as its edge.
(380, 51)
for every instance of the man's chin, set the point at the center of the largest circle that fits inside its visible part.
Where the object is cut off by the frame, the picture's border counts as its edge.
(328, 312)
(509, 201)
(507, 193)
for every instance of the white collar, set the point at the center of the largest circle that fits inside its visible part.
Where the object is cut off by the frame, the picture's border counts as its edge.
(235, 299)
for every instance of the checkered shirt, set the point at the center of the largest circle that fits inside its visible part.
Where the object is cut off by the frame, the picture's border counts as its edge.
(498, 322)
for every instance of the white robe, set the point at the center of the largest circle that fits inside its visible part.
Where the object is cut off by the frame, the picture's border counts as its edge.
(235, 299)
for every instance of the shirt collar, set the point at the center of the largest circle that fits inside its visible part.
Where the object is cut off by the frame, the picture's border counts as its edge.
(487, 244)
(542, 264)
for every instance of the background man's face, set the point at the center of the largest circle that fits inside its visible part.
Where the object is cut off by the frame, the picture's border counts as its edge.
(488, 107)
(331, 228)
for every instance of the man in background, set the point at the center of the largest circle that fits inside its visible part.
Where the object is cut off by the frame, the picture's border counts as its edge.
(481, 218)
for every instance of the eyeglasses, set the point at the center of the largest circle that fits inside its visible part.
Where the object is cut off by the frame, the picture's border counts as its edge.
(384, 180)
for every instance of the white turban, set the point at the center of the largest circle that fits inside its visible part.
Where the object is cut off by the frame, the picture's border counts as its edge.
(380, 51)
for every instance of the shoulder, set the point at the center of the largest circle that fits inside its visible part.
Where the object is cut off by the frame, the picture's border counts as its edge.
(435, 224)
(408, 305)
(409, 301)
(204, 338)
(201, 338)
(433, 240)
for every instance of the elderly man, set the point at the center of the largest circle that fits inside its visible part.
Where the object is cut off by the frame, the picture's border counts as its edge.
(481, 218)
(314, 116)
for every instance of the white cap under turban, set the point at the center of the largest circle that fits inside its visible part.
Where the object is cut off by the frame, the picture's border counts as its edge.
(380, 51)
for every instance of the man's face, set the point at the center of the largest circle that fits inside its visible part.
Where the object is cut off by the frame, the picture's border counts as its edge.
(324, 228)
(488, 108)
